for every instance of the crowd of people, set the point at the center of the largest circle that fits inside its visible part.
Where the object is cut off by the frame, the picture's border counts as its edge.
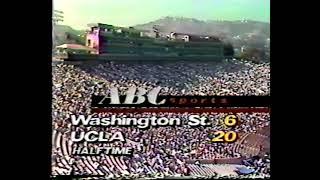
(229, 77)
(161, 151)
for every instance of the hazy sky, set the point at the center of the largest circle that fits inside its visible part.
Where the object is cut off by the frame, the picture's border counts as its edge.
(78, 13)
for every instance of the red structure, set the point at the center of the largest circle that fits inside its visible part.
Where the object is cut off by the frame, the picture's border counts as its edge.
(92, 39)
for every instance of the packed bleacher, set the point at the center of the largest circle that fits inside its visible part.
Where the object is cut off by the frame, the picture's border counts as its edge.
(230, 77)
(163, 151)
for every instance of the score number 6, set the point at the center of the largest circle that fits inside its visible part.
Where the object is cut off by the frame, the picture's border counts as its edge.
(231, 120)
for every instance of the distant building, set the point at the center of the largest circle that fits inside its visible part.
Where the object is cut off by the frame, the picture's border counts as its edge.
(119, 30)
(243, 48)
(192, 37)
(186, 38)
(177, 36)
(145, 33)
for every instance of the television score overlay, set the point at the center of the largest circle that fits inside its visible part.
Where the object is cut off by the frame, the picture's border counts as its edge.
(141, 123)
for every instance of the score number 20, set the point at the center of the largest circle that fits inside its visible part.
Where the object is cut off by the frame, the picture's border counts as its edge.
(230, 136)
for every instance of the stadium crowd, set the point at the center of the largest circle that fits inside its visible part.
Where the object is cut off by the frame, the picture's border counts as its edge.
(159, 151)
(230, 77)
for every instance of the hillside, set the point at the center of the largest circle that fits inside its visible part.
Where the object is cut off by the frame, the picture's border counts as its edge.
(248, 34)
(66, 34)
(194, 26)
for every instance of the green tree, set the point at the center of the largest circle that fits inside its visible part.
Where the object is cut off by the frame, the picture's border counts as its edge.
(253, 54)
(228, 50)
(78, 39)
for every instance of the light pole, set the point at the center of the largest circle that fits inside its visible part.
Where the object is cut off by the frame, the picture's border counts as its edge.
(57, 16)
